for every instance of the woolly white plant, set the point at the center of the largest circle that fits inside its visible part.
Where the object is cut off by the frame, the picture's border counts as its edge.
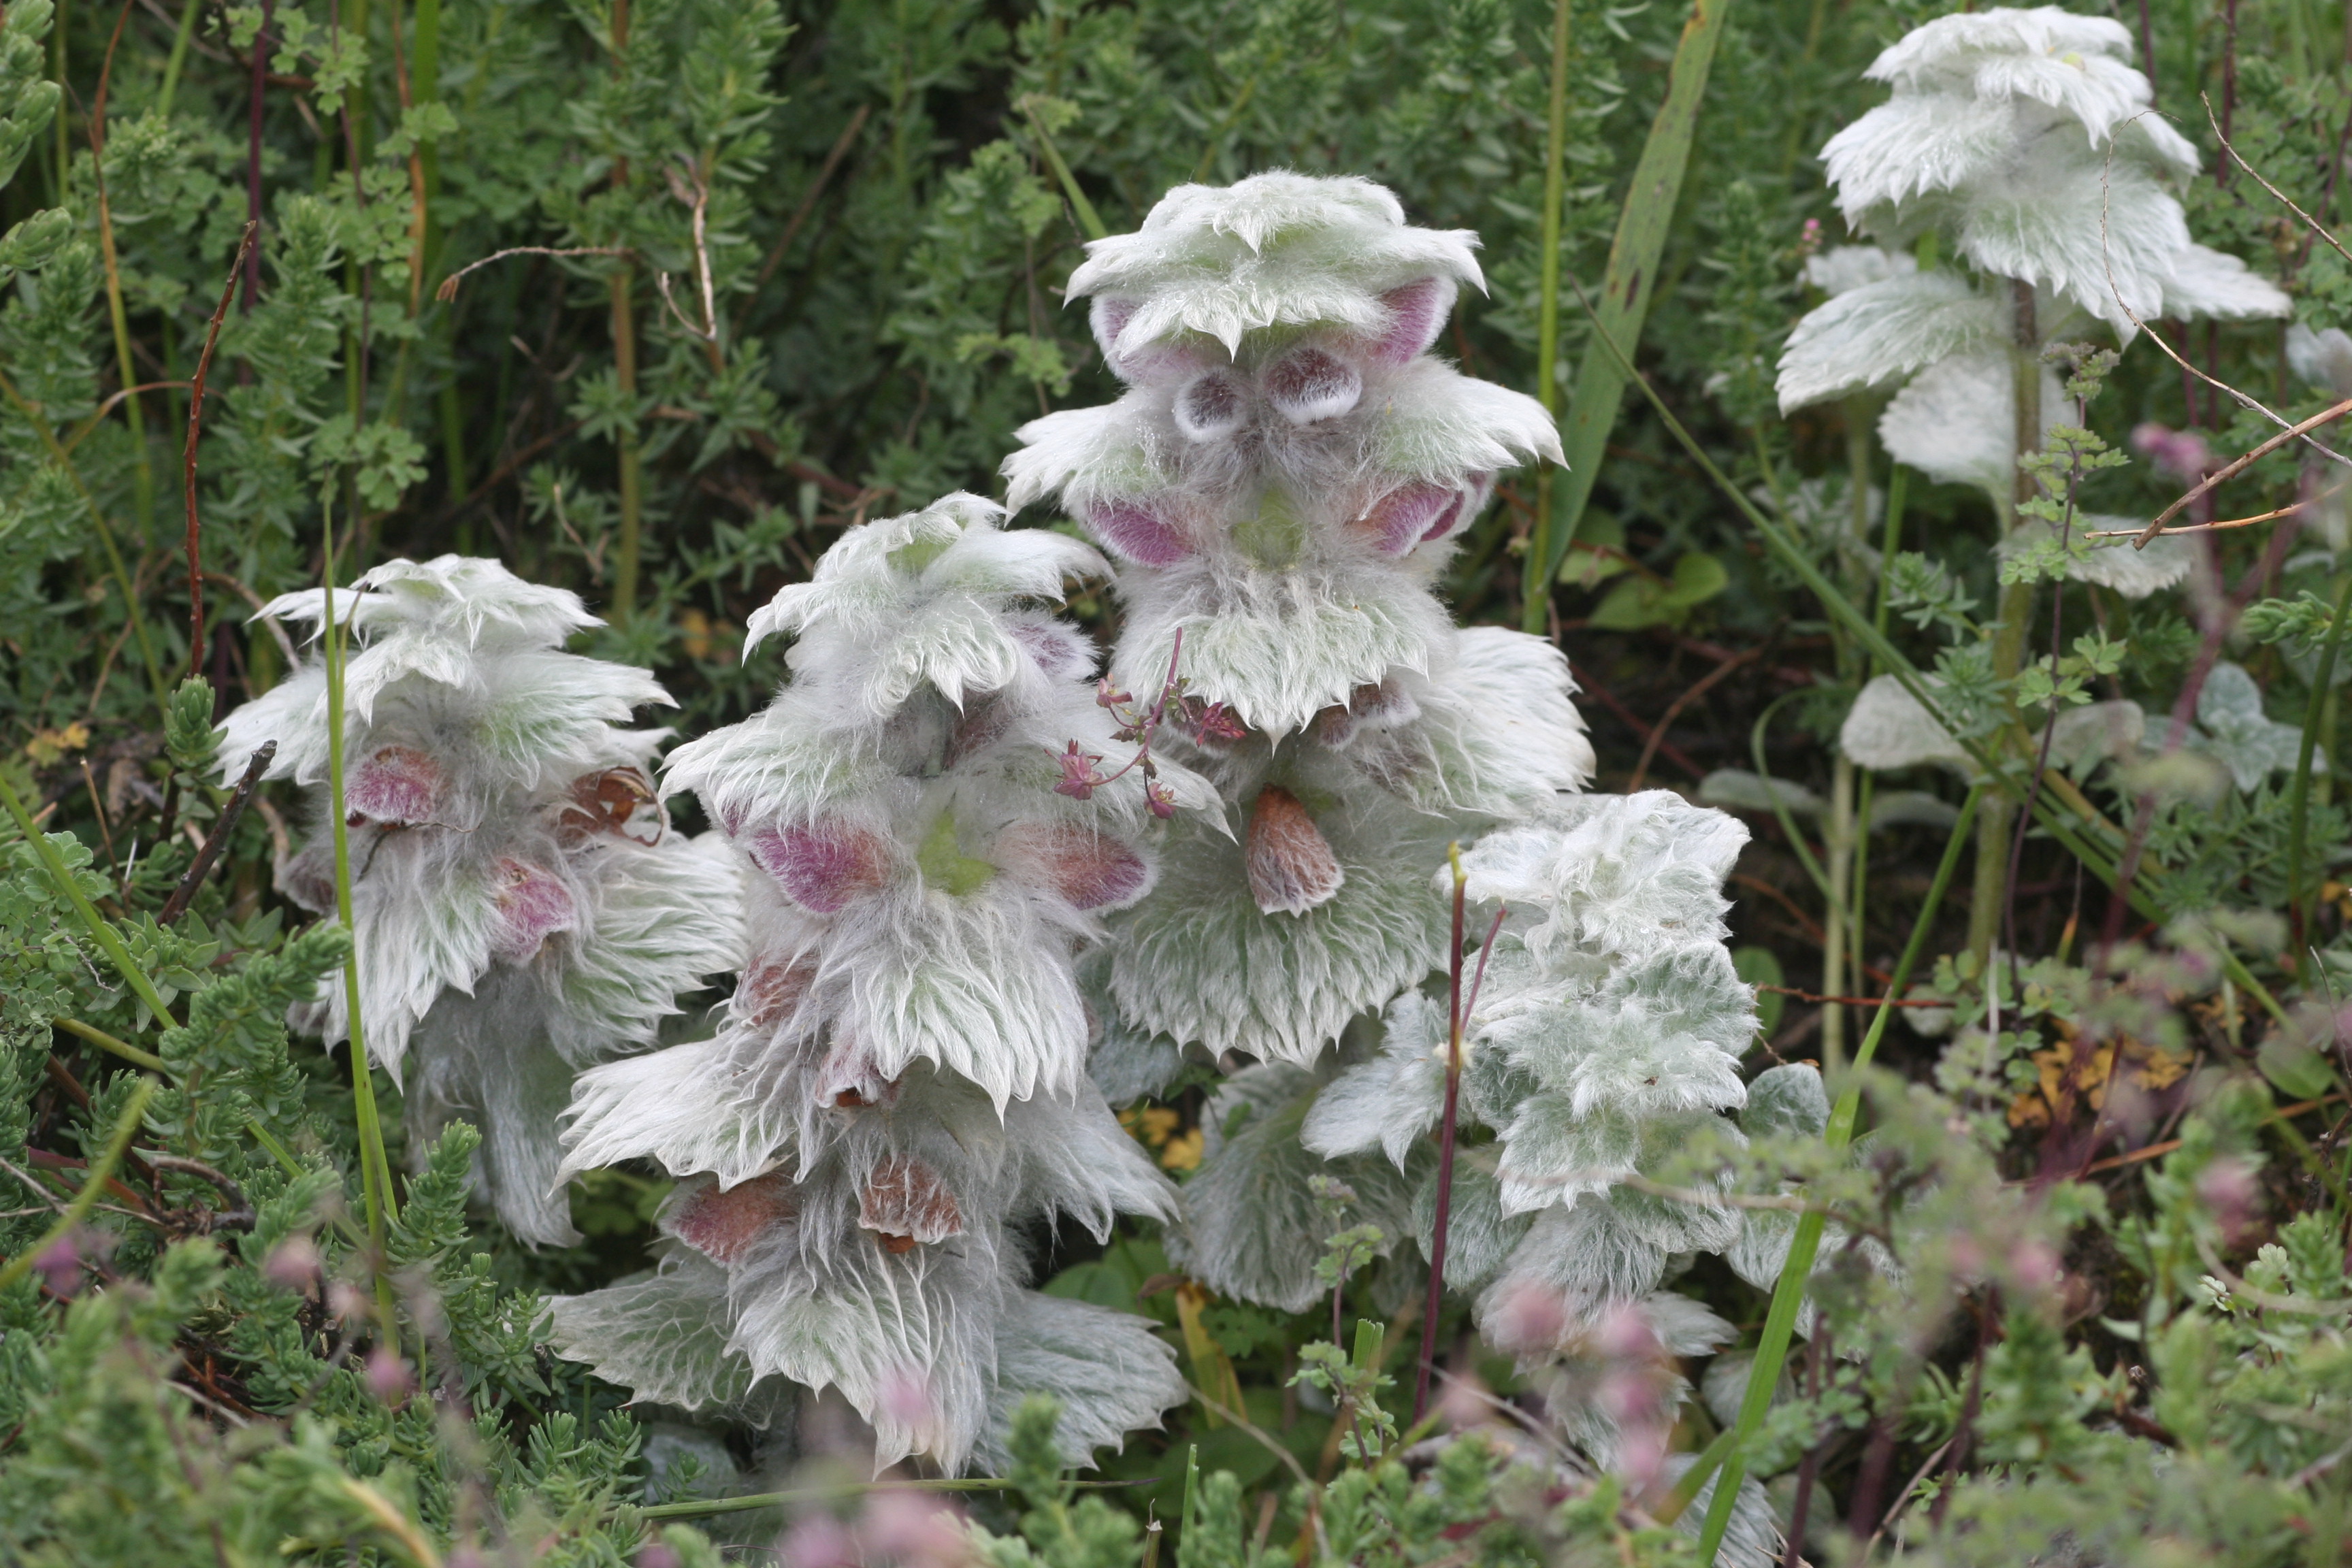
(1601, 1042)
(897, 1084)
(520, 908)
(2021, 140)
(1282, 483)
(1606, 1034)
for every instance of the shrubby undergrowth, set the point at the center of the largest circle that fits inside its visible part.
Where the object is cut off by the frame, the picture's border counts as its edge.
(1068, 1021)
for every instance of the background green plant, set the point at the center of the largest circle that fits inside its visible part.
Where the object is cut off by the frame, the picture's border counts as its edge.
(651, 298)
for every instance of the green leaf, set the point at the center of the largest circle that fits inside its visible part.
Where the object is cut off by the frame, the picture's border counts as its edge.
(1626, 290)
(1648, 601)
(2294, 1069)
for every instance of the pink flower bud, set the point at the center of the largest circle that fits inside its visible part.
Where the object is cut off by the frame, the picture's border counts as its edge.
(2228, 1186)
(1292, 868)
(814, 1541)
(2179, 453)
(823, 865)
(387, 1375)
(396, 785)
(293, 1263)
(1137, 533)
(533, 904)
(1528, 1319)
(60, 1263)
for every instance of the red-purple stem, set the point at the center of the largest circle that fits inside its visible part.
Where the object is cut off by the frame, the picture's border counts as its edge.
(1458, 1009)
(1150, 725)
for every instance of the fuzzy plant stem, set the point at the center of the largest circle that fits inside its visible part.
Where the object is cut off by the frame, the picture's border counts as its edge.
(2015, 606)
(2298, 845)
(1772, 1345)
(1897, 491)
(1459, 1008)
(1537, 593)
(126, 1126)
(375, 1168)
(1445, 1135)
(1838, 851)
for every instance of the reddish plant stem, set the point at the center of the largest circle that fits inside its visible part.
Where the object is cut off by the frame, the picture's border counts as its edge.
(1809, 1472)
(195, 434)
(1458, 1009)
(178, 904)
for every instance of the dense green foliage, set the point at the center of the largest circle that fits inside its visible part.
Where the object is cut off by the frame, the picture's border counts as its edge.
(735, 273)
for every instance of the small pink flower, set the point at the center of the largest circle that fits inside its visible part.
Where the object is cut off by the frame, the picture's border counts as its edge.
(1528, 1319)
(654, 1554)
(915, 1530)
(1079, 777)
(2179, 453)
(1216, 722)
(293, 1263)
(1160, 798)
(2229, 1188)
(905, 1397)
(60, 1263)
(1625, 1333)
(387, 1375)
(2036, 1266)
(815, 1540)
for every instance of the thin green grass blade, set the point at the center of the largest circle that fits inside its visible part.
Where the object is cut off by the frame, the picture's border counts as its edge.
(375, 1167)
(1772, 1345)
(1536, 595)
(1626, 290)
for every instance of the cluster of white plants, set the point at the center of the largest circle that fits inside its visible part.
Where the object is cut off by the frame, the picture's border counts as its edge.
(975, 896)
(520, 908)
(966, 885)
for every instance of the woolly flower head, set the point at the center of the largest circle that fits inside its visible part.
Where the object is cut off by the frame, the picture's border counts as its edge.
(2026, 136)
(1621, 874)
(1277, 249)
(475, 643)
(938, 598)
